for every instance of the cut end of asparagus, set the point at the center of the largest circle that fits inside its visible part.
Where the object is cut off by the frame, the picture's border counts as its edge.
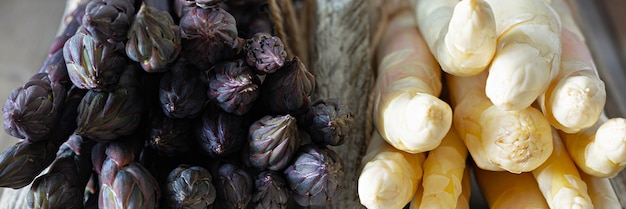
(517, 141)
(416, 122)
(576, 102)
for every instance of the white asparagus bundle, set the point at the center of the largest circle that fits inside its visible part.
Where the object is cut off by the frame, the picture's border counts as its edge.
(390, 177)
(460, 34)
(528, 52)
(516, 141)
(504, 190)
(601, 191)
(599, 150)
(576, 97)
(443, 173)
(407, 112)
(559, 180)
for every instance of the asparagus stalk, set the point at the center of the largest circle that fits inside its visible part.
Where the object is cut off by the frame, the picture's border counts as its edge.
(460, 34)
(599, 150)
(529, 50)
(516, 141)
(64, 184)
(601, 192)
(559, 180)
(125, 183)
(22, 162)
(407, 112)
(504, 190)
(443, 173)
(466, 190)
(576, 97)
(390, 177)
(463, 184)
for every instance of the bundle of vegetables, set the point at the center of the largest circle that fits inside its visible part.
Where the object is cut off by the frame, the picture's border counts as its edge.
(524, 104)
(183, 104)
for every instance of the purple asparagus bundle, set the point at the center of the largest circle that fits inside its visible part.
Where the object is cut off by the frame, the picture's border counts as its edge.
(215, 90)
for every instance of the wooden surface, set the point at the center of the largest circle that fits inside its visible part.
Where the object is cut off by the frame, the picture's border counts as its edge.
(342, 70)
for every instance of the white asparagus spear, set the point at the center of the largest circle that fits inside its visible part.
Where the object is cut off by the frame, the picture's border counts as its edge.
(601, 191)
(407, 112)
(576, 97)
(390, 177)
(599, 150)
(443, 173)
(504, 190)
(460, 34)
(559, 180)
(463, 202)
(528, 52)
(516, 141)
(466, 191)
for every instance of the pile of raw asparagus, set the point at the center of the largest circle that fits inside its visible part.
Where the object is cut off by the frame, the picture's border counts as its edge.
(506, 89)
(172, 104)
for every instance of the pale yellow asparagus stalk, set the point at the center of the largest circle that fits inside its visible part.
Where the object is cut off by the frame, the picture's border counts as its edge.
(460, 34)
(466, 191)
(516, 141)
(504, 190)
(390, 177)
(417, 198)
(407, 112)
(599, 150)
(443, 173)
(461, 203)
(601, 191)
(576, 98)
(559, 180)
(528, 52)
